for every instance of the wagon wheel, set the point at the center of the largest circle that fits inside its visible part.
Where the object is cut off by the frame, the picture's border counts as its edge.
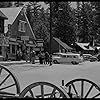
(42, 90)
(9, 85)
(82, 88)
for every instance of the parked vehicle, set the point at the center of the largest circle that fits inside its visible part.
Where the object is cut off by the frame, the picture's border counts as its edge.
(93, 58)
(67, 58)
(98, 57)
(86, 57)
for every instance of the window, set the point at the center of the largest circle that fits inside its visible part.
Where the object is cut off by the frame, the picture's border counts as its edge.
(21, 26)
(64, 56)
(13, 49)
(74, 56)
(68, 56)
(0, 50)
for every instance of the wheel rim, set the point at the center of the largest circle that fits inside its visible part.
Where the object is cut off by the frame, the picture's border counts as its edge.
(82, 88)
(9, 85)
(47, 90)
(55, 62)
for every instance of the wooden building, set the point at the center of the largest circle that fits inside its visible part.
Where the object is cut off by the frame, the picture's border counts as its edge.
(58, 46)
(3, 18)
(84, 48)
(18, 30)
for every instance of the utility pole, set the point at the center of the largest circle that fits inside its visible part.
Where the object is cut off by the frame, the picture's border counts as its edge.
(50, 32)
(78, 4)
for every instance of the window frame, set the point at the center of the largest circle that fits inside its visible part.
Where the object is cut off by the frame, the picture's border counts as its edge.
(21, 26)
(13, 49)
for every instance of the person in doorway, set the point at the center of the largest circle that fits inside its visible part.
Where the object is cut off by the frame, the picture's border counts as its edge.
(20, 54)
(6, 54)
(17, 55)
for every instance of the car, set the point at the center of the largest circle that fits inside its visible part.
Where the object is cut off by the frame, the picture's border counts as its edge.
(86, 57)
(1, 58)
(67, 58)
(93, 58)
(98, 56)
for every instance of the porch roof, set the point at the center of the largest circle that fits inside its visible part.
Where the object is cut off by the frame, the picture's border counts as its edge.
(85, 46)
(64, 45)
(11, 14)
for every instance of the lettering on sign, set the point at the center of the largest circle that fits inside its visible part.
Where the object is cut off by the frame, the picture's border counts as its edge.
(24, 37)
(5, 42)
(39, 44)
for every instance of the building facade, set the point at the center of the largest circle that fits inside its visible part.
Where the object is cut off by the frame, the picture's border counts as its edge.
(18, 31)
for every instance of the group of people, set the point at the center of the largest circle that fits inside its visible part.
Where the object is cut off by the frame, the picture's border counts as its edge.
(44, 58)
(31, 56)
(25, 55)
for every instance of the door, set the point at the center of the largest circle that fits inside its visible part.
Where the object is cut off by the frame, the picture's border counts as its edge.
(63, 59)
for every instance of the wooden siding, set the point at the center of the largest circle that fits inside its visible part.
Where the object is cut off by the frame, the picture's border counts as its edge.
(14, 28)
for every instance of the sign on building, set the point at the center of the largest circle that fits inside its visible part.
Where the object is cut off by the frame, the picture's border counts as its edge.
(40, 44)
(24, 37)
(5, 42)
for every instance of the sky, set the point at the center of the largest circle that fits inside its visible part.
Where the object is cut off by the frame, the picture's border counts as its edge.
(43, 5)
(73, 4)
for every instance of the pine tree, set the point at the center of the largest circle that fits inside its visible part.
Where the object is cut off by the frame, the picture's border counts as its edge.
(63, 26)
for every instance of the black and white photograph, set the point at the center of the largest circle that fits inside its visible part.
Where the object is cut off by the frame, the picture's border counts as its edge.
(50, 49)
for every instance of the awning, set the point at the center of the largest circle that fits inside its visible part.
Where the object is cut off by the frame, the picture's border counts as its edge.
(14, 43)
(85, 46)
(31, 45)
(64, 45)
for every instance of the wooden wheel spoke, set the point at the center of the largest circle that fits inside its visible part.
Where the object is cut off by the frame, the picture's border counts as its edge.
(53, 92)
(89, 91)
(5, 79)
(74, 88)
(5, 76)
(70, 89)
(31, 93)
(7, 86)
(7, 93)
(82, 88)
(0, 71)
(7, 96)
(42, 91)
(96, 95)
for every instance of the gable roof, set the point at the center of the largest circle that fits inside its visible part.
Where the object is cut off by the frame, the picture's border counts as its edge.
(85, 46)
(11, 13)
(64, 45)
(30, 26)
(2, 15)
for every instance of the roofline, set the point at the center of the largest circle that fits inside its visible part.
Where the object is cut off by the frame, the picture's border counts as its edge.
(60, 44)
(4, 15)
(17, 15)
(29, 26)
(63, 46)
(85, 47)
(82, 43)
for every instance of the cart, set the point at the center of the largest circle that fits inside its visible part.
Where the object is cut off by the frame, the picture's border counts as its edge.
(76, 88)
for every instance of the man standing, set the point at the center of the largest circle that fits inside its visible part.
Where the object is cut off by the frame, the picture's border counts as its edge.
(46, 58)
(33, 57)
